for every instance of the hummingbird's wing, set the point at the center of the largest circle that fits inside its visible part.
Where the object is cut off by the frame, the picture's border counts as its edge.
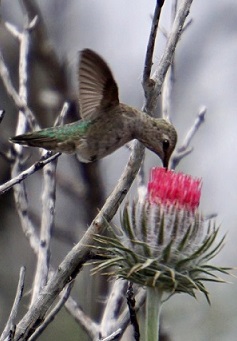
(98, 90)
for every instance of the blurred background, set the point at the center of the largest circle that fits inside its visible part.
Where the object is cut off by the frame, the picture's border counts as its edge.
(205, 74)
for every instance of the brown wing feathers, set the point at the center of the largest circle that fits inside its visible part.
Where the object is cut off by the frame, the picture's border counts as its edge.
(97, 87)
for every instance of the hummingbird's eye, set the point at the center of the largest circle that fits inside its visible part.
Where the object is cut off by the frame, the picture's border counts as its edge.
(166, 144)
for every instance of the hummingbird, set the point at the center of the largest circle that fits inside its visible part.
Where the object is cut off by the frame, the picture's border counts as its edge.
(106, 124)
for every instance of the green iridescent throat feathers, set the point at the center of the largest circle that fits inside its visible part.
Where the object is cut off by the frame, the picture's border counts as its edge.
(106, 124)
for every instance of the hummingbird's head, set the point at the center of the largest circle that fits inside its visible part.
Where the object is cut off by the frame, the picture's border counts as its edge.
(161, 139)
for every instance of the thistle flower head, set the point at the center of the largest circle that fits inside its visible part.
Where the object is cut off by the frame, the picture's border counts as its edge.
(168, 188)
(164, 241)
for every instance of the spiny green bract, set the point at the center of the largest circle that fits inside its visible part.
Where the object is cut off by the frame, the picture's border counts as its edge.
(176, 259)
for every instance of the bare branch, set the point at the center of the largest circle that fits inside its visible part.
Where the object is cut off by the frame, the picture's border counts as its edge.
(132, 311)
(121, 323)
(23, 79)
(124, 318)
(10, 326)
(47, 222)
(184, 149)
(169, 79)
(80, 253)
(113, 336)
(13, 30)
(51, 316)
(167, 56)
(47, 57)
(24, 118)
(91, 328)
(147, 82)
(150, 46)
(23, 175)
(21, 200)
(19, 103)
(174, 9)
(197, 123)
(112, 308)
(189, 23)
(44, 47)
(59, 120)
(166, 93)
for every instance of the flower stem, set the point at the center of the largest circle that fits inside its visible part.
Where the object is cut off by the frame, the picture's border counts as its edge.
(153, 308)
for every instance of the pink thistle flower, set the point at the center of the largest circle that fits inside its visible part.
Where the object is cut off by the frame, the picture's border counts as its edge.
(169, 188)
(164, 242)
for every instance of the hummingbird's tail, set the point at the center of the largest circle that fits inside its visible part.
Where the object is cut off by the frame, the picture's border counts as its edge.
(54, 139)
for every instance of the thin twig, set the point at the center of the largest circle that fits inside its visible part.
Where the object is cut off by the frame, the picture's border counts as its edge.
(47, 223)
(59, 120)
(23, 80)
(174, 10)
(44, 47)
(112, 308)
(189, 23)
(150, 46)
(122, 322)
(113, 336)
(10, 326)
(47, 220)
(19, 103)
(24, 174)
(167, 92)
(169, 79)
(22, 203)
(167, 56)
(51, 316)
(184, 149)
(132, 311)
(44, 51)
(91, 328)
(124, 317)
(23, 120)
(13, 30)
(147, 82)
(197, 123)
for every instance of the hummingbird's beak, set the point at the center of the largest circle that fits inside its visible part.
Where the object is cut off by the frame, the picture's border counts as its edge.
(166, 162)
